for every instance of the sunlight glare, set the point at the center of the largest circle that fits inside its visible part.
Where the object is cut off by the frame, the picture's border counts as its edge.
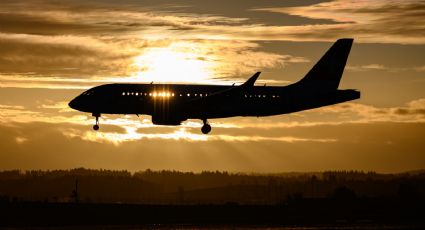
(175, 63)
(132, 134)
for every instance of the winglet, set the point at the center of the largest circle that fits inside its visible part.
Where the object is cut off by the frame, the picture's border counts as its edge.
(250, 82)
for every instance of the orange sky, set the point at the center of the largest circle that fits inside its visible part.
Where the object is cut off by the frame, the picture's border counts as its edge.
(51, 51)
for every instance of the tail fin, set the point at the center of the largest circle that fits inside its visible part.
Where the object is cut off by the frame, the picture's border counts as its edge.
(326, 74)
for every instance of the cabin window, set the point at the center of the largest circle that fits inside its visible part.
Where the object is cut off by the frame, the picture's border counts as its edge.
(188, 94)
(160, 94)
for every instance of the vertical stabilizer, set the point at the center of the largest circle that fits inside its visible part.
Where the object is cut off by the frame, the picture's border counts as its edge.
(327, 72)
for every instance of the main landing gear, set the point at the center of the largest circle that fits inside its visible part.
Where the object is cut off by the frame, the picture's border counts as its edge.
(96, 126)
(206, 128)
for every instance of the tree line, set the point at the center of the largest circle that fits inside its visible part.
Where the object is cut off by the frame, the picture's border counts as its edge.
(207, 187)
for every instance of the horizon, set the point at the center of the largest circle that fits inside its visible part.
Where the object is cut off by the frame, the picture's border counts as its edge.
(246, 173)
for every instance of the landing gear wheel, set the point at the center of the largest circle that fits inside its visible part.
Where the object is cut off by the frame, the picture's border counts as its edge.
(96, 126)
(206, 128)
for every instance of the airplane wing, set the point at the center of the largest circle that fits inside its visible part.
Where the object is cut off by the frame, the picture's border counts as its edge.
(232, 91)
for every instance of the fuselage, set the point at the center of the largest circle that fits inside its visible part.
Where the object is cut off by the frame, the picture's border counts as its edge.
(172, 103)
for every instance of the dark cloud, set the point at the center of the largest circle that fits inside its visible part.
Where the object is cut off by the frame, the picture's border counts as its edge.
(367, 21)
(12, 22)
(406, 111)
(58, 56)
(252, 20)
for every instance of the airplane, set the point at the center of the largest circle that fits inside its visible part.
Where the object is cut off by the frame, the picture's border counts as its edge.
(171, 104)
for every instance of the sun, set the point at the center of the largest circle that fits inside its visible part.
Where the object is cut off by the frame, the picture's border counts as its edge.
(175, 63)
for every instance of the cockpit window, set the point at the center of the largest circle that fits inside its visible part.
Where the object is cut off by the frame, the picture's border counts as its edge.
(88, 93)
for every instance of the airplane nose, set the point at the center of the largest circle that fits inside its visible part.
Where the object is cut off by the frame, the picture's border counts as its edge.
(73, 104)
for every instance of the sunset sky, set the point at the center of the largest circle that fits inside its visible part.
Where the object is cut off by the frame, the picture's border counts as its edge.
(51, 51)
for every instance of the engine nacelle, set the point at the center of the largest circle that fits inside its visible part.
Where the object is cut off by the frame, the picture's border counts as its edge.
(163, 120)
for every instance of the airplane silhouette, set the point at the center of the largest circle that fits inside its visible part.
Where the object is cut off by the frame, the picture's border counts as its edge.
(171, 104)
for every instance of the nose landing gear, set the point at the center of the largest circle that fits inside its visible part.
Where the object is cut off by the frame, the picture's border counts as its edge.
(206, 128)
(96, 126)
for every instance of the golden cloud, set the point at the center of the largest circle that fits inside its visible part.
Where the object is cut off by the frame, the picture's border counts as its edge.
(133, 129)
(367, 20)
(177, 135)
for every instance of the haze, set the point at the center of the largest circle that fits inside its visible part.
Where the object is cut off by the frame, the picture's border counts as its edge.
(51, 51)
